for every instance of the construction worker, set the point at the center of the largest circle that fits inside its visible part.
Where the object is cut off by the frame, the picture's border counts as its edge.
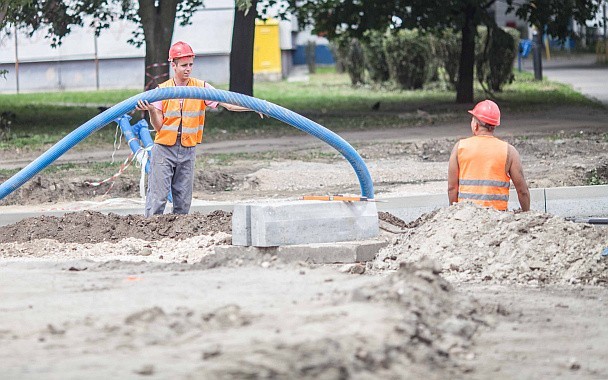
(481, 167)
(179, 127)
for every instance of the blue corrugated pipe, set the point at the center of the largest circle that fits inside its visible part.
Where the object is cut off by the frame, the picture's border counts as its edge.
(187, 92)
(136, 133)
(127, 130)
(143, 133)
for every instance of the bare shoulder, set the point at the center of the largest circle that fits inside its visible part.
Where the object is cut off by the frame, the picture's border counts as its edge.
(454, 155)
(455, 148)
(512, 152)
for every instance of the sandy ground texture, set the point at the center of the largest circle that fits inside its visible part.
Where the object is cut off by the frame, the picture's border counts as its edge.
(462, 292)
(559, 147)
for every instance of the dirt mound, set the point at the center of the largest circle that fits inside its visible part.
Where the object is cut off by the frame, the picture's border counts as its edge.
(475, 244)
(190, 250)
(73, 186)
(426, 329)
(411, 322)
(96, 227)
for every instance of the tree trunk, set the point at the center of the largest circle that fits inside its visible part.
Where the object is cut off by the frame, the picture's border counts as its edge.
(158, 23)
(3, 13)
(464, 88)
(241, 53)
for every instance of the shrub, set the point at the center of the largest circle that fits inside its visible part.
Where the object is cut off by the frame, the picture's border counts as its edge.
(311, 56)
(356, 62)
(410, 58)
(338, 57)
(448, 53)
(496, 51)
(7, 118)
(350, 57)
(375, 58)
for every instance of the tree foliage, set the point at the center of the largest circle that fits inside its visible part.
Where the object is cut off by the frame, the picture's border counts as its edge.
(554, 16)
(337, 17)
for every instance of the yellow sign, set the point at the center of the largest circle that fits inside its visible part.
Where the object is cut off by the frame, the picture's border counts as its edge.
(266, 47)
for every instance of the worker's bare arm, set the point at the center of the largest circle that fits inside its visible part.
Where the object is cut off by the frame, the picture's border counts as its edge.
(516, 172)
(453, 176)
(235, 108)
(156, 115)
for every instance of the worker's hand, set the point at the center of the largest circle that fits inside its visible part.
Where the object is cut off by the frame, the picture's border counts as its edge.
(261, 115)
(144, 105)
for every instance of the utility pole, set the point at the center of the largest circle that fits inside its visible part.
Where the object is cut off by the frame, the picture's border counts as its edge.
(537, 42)
(96, 61)
(16, 61)
(605, 39)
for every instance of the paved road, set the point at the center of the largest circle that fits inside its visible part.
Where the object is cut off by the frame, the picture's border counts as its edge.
(580, 71)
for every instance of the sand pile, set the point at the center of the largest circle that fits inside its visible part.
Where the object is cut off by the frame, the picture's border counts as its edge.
(96, 227)
(419, 327)
(409, 324)
(190, 250)
(474, 244)
(102, 237)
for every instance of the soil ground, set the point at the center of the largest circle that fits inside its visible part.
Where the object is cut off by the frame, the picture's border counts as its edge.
(463, 292)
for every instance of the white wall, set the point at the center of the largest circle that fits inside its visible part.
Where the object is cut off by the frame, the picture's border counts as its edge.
(72, 64)
(210, 32)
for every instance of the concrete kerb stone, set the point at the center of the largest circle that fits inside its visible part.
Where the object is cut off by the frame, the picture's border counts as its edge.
(537, 200)
(317, 253)
(577, 201)
(303, 222)
(411, 207)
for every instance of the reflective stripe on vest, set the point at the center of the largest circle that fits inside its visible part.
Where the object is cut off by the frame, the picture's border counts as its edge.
(191, 116)
(482, 162)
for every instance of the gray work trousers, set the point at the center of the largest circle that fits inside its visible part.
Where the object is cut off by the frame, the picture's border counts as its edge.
(171, 168)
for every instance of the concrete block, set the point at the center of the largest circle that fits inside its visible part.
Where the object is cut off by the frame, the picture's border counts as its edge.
(304, 222)
(241, 224)
(577, 201)
(343, 252)
(318, 253)
(537, 200)
(409, 208)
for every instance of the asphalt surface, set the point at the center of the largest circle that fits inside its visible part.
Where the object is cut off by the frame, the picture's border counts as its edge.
(582, 72)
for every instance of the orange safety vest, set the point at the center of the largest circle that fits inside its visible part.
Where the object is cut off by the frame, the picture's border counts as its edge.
(482, 178)
(190, 114)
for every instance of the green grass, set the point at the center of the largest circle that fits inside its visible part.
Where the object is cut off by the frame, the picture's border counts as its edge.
(81, 98)
(327, 98)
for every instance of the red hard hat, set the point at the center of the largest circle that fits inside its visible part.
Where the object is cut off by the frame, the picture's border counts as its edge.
(487, 112)
(179, 50)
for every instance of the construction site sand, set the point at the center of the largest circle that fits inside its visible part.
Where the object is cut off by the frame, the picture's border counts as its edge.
(504, 295)
(476, 244)
(469, 243)
(231, 316)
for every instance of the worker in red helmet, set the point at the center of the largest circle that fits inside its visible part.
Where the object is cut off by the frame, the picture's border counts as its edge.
(179, 125)
(482, 167)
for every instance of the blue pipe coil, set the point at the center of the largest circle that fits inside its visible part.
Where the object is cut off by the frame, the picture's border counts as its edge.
(188, 92)
(127, 130)
(143, 133)
(139, 131)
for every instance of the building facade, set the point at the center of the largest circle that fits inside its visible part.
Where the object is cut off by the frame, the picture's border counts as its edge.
(86, 62)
